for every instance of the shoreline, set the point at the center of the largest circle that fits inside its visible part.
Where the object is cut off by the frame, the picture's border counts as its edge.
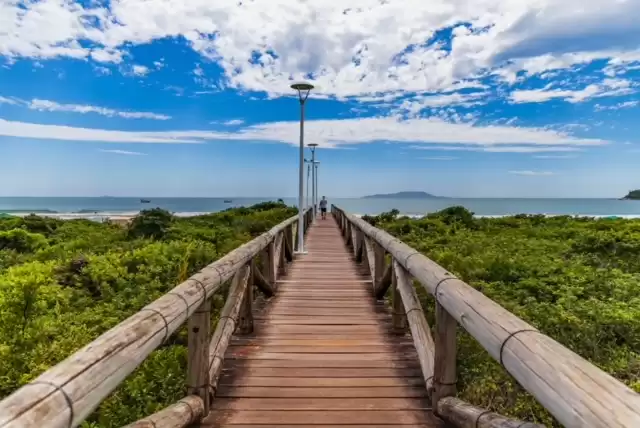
(126, 216)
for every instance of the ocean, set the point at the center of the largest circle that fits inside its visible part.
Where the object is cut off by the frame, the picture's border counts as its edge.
(98, 208)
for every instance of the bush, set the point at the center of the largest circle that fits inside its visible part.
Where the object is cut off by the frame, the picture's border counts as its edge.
(54, 299)
(153, 223)
(21, 241)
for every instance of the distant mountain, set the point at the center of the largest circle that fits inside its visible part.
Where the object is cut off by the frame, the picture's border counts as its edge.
(403, 195)
(634, 195)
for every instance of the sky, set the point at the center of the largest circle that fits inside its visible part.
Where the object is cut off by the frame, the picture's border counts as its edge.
(467, 98)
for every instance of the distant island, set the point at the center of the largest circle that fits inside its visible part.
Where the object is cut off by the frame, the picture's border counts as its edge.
(403, 195)
(633, 195)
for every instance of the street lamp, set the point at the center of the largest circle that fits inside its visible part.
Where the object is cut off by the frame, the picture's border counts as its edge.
(314, 200)
(315, 189)
(303, 89)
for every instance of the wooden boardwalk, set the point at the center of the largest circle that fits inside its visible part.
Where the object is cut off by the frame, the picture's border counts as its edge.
(323, 353)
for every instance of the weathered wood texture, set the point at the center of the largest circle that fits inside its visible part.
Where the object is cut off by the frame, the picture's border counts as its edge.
(463, 415)
(182, 414)
(323, 352)
(444, 371)
(199, 333)
(420, 330)
(575, 391)
(66, 394)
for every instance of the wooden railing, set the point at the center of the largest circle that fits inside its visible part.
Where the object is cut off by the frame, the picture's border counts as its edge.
(574, 391)
(63, 396)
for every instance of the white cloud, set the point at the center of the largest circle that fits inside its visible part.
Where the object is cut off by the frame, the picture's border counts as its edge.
(626, 104)
(123, 152)
(46, 105)
(532, 173)
(608, 88)
(233, 122)
(198, 71)
(499, 149)
(12, 101)
(555, 157)
(439, 158)
(140, 70)
(330, 134)
(104, 71)
(358, 48)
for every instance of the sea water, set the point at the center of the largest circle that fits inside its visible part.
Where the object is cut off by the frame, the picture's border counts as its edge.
(104, 207)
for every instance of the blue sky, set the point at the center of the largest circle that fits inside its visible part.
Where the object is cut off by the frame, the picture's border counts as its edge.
(490, 98)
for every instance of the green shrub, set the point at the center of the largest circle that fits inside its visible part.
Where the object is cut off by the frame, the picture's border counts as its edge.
(21, 241)
(153, 223)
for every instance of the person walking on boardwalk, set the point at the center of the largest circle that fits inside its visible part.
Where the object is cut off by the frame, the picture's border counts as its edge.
(323, 207)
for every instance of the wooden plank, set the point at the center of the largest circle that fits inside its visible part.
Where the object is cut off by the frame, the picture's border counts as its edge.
(317, 382)
(281, 392)
(323, 364)
(316, 321)
(224, 425)
(339, 417)
(378, 356)
(342, 372)
(321, 404)
(246, 349)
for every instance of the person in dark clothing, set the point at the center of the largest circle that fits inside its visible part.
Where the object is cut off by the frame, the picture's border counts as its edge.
(323, 207)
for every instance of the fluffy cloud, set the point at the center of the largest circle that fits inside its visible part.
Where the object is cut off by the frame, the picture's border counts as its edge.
(122, 152)
(608, 88)
(331, 134)
(140, 70)
(626, 104)
(500, 148)
(360, 48)
(47, 105)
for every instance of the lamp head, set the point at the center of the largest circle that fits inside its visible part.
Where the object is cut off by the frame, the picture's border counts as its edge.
(303, 89)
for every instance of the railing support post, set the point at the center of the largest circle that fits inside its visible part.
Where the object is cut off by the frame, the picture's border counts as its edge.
(398, 317)
(245, 317)
(199, 327)
(269, 264)
(444, 372)
(378, 265)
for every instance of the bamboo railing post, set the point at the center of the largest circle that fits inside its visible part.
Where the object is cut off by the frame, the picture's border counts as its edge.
(245, 316)
(199, 327)
(399, 316)
(288, 237)
(282, 265)
(378, 266)
(269, 264)
(444, 371)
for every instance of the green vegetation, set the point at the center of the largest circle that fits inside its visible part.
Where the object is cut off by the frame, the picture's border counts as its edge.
(634, 195)
(63, 283)
(575, 279)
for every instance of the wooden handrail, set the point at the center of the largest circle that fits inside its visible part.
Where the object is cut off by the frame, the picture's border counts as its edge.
(64, 395)
(574, 391)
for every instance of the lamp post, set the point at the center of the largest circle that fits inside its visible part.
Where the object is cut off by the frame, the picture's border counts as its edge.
(315, 190)
(314, 201)
(308, 174)
(303, 89)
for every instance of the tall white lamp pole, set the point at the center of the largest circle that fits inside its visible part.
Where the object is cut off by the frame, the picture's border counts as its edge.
(303, 89)
(314, 201)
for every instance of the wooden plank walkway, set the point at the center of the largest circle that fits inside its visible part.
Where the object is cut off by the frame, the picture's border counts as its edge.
(323, 353)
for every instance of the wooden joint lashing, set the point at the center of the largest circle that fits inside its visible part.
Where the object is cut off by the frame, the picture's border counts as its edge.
(66, 396)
